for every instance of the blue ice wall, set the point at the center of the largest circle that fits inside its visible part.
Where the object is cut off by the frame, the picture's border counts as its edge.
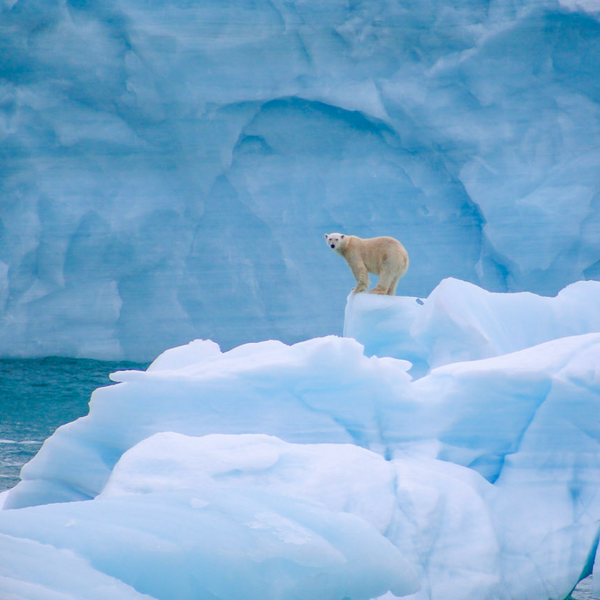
(168, 169)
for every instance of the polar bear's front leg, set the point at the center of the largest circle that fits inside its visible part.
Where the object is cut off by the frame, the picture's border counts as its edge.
(362, 278)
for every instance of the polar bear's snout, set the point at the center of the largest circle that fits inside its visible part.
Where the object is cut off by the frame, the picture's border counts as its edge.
(333, 239)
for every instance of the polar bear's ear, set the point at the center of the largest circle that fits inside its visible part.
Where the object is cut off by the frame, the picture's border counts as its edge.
(326, 235)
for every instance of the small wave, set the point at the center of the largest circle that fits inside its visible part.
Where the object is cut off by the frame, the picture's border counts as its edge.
(23, 442)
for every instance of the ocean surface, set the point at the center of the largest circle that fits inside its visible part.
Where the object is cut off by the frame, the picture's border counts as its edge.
(584, 590)
(39, 395)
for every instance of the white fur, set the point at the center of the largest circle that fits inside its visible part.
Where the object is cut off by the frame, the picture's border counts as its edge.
(383, 256)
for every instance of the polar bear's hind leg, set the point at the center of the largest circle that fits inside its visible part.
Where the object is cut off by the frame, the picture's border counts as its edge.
(393, 286)
(386, 281)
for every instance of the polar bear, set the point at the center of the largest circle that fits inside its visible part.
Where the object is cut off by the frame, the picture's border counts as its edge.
(383, 256)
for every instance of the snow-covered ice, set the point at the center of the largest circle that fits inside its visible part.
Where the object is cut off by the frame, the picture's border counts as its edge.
(319, 470)
(461, 322)
(178, 162)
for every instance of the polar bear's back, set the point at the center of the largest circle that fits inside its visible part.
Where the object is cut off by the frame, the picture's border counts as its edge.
(379, 251)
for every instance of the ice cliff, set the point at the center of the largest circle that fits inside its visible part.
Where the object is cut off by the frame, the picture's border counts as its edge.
(328, 469)
(178, 162)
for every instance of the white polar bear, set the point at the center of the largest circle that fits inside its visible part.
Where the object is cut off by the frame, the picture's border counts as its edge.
(383, 256)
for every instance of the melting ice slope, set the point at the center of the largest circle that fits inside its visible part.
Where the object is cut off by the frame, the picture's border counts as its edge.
(314, 471)
(184, 173)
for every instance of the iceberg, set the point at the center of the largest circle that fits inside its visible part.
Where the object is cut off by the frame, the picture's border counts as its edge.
(328, 469)
(178, 163)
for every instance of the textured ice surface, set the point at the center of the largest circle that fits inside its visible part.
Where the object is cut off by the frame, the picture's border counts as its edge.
(317, 471)
(459, 321)
(178, 163)
(215, 544)
(30, 570)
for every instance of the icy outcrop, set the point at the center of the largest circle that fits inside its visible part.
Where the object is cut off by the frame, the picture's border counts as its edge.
(317, 471)
(461, 322)
(179, 163)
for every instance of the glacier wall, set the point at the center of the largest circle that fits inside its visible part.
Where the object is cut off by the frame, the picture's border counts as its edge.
(178, 163)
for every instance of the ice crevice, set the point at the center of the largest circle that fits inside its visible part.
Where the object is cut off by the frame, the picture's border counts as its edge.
(515, 445)
(336, 419)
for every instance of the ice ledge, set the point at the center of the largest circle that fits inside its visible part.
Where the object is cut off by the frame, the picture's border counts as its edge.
(462, 322)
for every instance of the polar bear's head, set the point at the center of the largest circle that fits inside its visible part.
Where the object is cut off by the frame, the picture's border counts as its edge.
(335, 241)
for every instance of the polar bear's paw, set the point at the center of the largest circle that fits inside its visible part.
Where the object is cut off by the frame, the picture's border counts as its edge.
(378, 290)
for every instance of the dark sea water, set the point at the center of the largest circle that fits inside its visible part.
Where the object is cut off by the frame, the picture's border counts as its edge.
(584, 590)
(39, 395)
